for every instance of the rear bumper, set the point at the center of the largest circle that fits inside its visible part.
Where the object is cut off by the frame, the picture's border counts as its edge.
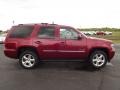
(11, 53)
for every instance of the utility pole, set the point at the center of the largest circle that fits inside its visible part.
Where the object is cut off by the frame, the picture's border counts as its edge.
(13, 22)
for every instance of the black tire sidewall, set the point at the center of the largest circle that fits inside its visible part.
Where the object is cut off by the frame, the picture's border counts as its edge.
(98, 52)
(28, 52)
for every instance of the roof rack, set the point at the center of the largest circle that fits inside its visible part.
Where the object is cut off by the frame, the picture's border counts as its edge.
(20, 24)
(53, 23)
(44, 23)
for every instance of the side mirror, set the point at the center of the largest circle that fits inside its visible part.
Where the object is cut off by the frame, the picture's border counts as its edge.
(79, 36)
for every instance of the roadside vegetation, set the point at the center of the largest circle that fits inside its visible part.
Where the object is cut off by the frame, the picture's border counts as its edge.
(115, 36)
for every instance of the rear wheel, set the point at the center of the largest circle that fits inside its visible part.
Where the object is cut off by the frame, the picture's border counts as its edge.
(28, 59)
(98, 59)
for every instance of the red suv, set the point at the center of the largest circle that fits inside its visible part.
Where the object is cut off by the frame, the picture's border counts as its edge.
(31, 43)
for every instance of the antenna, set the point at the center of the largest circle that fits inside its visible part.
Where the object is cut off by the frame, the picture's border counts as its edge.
(52, 22)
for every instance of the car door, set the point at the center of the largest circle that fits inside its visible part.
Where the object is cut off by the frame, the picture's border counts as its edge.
(47, 42)
(70, 46)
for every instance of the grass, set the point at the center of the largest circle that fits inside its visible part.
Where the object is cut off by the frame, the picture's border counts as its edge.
(115, 37)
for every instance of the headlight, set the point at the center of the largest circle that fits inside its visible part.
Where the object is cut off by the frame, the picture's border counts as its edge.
(112, 45)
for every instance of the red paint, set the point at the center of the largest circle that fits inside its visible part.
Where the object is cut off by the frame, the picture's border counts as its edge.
(56, 48)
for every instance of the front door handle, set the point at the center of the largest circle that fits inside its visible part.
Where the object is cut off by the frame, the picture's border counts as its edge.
(37, 42)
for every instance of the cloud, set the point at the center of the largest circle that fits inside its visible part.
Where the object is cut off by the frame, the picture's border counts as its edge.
(78, 13)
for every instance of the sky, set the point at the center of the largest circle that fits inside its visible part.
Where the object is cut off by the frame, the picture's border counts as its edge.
(76, 13)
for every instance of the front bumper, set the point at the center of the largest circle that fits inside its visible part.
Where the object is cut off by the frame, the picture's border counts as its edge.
(111, 53)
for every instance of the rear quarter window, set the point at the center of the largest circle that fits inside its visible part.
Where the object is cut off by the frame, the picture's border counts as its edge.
(21, 31)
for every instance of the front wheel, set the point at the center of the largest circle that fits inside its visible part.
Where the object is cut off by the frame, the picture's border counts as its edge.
(28, 59)
(98, 59)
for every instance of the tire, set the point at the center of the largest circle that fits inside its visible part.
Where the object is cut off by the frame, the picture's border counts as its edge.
(98, 59)
(28, 59)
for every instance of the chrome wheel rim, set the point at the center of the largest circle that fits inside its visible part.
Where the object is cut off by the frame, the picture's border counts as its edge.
(98, 60)
(28, 60)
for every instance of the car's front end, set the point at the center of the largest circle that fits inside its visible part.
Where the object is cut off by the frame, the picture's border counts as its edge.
(104, 44)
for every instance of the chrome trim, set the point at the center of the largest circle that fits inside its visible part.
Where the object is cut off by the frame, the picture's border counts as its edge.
(61, 51)
(50, 50)
(70, 51)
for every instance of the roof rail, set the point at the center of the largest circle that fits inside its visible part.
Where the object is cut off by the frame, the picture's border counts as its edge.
(20, 24)
(44, 23)
(53, 24)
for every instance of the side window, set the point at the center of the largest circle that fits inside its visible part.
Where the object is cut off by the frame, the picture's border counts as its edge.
(68, 33)
(21, 31)
(46, 32)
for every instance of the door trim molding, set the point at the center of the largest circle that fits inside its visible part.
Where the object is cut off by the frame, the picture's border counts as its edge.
(82, 51)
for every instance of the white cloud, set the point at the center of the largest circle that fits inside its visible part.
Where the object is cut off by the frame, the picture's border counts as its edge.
(78, 13)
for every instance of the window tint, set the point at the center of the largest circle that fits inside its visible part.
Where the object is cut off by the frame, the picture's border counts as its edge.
(21, 31)
(46, 32)
(68, 33)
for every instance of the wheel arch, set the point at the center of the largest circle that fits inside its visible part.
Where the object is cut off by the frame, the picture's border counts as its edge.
(99, 48)
(24, 48)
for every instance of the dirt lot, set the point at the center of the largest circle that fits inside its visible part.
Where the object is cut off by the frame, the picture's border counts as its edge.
(59, 75)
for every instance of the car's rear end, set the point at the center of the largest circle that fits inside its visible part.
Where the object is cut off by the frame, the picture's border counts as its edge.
(16, 36)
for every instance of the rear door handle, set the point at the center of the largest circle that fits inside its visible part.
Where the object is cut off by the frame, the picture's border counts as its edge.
(62, 42)
(37, 42)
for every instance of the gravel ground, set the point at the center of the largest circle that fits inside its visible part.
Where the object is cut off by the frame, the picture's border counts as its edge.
(59, 75)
